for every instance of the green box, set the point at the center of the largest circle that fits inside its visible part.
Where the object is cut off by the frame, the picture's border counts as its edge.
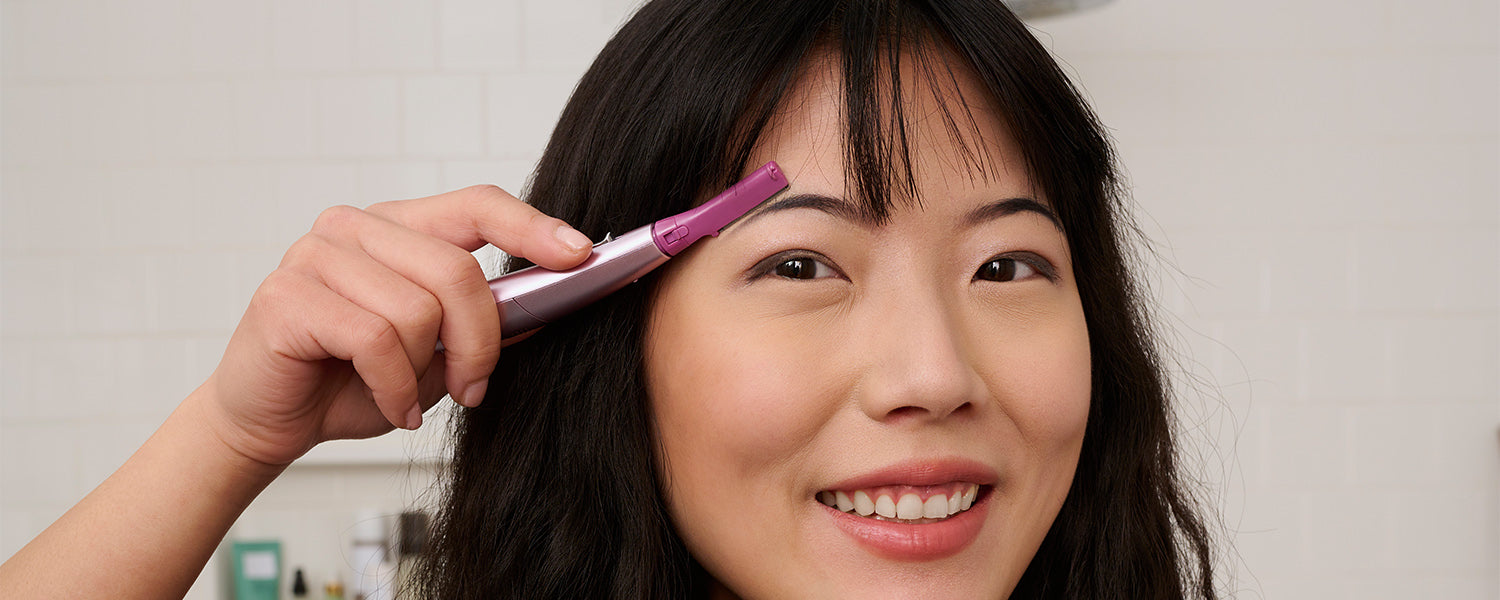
(257, 570)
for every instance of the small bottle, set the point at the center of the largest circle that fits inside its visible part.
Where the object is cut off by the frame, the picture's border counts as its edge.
(299, 584)
(333, 590)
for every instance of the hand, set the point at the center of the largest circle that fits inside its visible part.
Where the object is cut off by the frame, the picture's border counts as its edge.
(338, 341)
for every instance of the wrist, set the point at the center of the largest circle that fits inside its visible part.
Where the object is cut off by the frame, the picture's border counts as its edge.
(205, 426)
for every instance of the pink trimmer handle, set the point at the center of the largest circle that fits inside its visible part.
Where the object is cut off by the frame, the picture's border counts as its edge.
(532, 297)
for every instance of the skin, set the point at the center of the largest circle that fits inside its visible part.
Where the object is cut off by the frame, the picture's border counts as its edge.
(767, 389)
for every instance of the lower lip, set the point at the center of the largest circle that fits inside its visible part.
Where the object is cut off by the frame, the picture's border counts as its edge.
(914, 541)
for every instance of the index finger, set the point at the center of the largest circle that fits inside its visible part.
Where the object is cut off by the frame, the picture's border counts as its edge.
(481, 214)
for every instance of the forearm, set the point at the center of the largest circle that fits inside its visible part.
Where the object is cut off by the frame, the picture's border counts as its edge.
(148, 530)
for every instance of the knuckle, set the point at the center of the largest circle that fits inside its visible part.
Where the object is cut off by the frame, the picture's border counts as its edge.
(405, 387)
(334, 218)
(486, 192)
(478, 200)
(284, 295)
(545, 226)
(377, 334)
(304, 251)
(540, 221)
(422, 310)
(488, 351)
(275, 291)
(490, 200)
(458, 269)
(474, 352)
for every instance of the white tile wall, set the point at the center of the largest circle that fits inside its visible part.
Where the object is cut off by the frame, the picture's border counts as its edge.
(312, 37)
(395, 35)
(359, 116)
(477, 35)
(1322, 178)
(225, 36)
(443, 116)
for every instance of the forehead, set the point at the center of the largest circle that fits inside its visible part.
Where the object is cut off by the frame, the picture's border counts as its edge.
(942, 122)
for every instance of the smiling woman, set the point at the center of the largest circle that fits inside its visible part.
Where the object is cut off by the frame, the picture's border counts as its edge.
(922, 372)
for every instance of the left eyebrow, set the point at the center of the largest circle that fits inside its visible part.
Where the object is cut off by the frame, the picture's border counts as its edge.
(1007, 207)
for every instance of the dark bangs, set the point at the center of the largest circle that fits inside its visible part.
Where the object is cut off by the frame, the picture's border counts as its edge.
(730, 66)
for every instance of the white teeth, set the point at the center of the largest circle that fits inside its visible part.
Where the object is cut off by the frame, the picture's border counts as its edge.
(863, 505)
(909, 507)
(935, 507)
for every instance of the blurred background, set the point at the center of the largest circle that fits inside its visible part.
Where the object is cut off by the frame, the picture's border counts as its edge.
(1319, 181)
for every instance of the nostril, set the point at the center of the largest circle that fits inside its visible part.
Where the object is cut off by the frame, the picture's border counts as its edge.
(911, 411)
(907, 412)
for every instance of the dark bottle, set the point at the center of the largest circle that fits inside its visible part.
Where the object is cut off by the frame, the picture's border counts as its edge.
(299, 585)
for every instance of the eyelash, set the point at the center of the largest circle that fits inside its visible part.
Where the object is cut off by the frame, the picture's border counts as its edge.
(769, 266)
(1037, 264)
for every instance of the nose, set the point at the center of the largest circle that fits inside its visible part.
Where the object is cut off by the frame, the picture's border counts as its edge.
(917, 368)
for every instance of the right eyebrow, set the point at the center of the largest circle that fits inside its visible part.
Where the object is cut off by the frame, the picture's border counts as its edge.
(837, 207)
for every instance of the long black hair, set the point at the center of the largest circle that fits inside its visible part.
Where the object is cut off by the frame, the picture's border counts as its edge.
(553, 492)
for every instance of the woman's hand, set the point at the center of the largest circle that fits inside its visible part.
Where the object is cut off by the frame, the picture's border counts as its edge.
(338, 341)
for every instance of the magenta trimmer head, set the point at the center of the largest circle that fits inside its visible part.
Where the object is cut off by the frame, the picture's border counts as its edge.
(533, 297)
(679, 231)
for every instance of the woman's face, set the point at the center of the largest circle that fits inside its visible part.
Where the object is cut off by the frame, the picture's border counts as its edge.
(933, 363)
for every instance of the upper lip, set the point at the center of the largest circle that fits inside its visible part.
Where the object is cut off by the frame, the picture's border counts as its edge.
(918, 472)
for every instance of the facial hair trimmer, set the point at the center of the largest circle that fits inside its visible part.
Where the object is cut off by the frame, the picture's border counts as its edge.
(533, 297)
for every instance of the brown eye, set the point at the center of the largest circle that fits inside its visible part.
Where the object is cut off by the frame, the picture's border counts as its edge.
(802, 268)
(1004, 269)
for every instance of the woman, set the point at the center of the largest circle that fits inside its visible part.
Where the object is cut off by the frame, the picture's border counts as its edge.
(921, 371)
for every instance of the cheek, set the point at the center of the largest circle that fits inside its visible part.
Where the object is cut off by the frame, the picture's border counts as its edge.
(737, 404)
(744, 400)
(1043, 373)
(1052, 405)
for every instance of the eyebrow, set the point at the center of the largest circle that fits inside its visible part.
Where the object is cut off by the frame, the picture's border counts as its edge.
(1010, 206)
(837, 207)
(852, 212)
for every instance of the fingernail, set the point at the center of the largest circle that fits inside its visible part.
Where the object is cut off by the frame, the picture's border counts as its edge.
(475, 394)
(414, 418)
(571, 238)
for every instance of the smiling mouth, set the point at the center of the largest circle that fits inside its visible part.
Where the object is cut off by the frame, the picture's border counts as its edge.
(904, 503)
